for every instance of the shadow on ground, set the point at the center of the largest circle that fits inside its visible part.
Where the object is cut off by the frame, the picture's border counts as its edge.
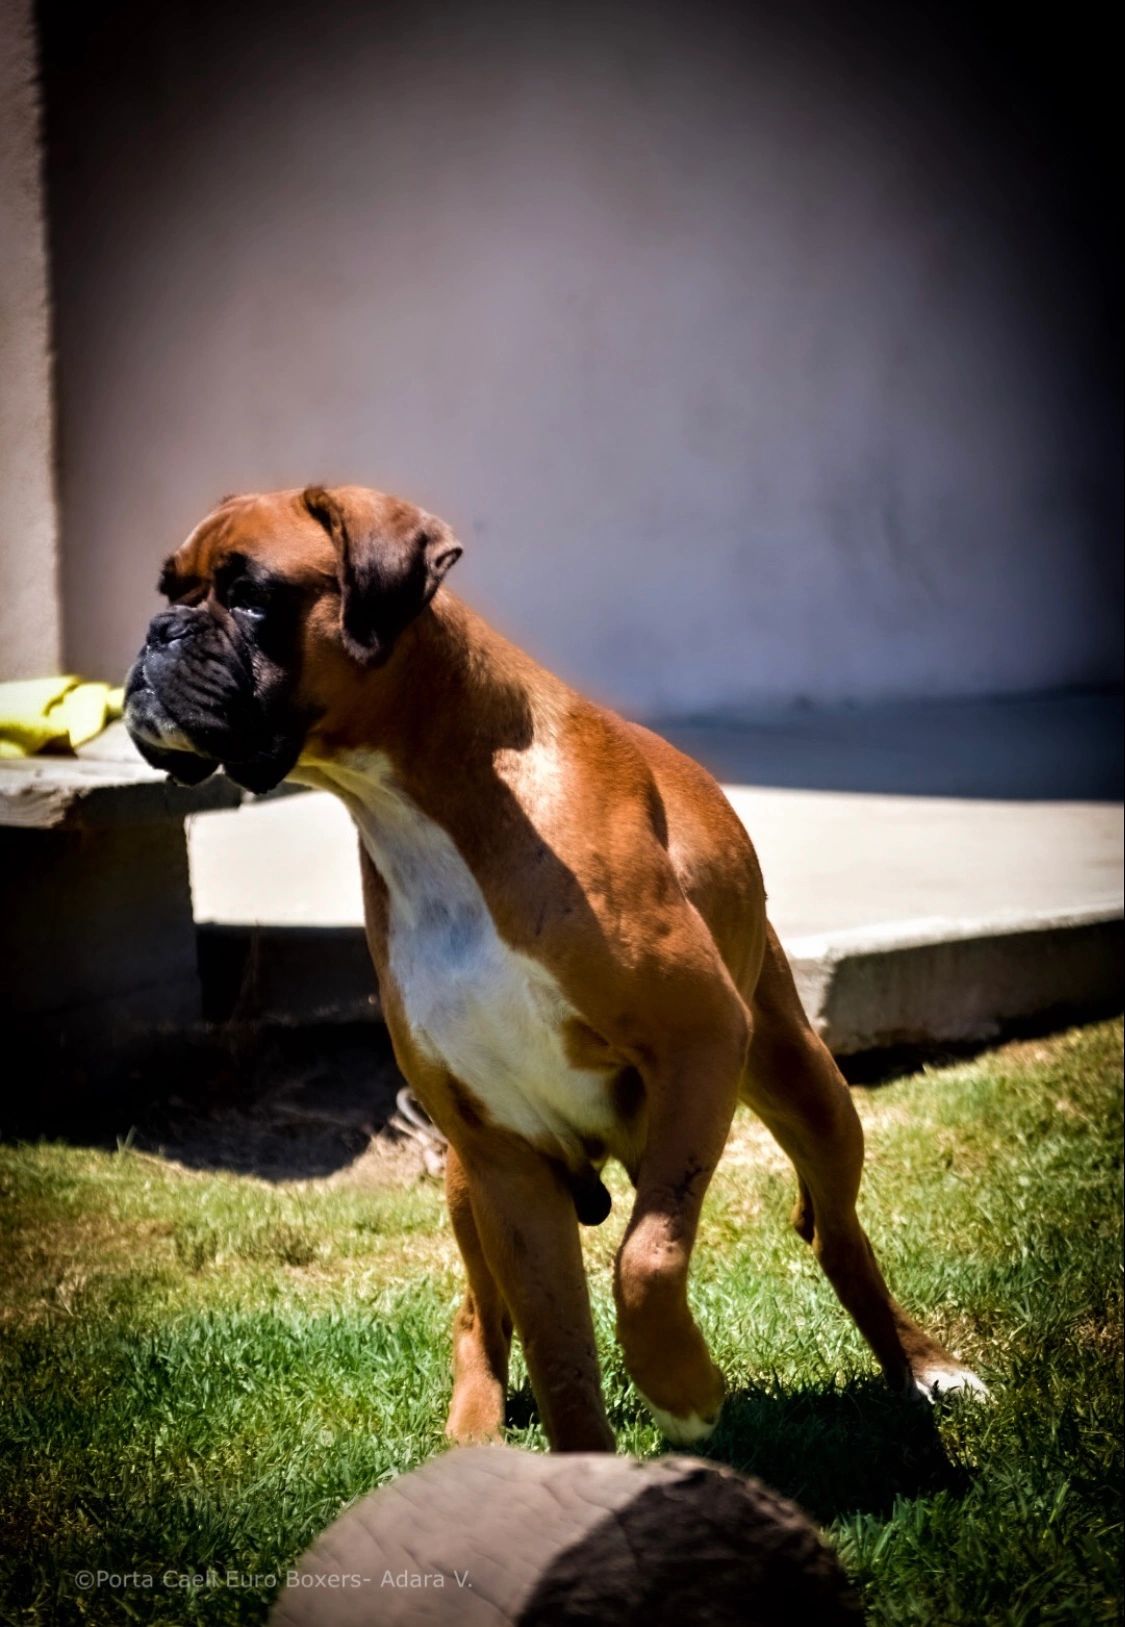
(295, 1102)
(280, 1103)
(837, 1451)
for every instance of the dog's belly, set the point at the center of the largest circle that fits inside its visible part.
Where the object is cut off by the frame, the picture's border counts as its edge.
(495, 1018)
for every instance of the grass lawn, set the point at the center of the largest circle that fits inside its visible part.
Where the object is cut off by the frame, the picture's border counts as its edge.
(199, 1370)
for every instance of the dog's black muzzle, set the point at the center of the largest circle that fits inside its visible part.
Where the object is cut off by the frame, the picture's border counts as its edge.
(198, 697)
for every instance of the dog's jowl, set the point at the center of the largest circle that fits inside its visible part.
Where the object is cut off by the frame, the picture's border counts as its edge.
(568, 925)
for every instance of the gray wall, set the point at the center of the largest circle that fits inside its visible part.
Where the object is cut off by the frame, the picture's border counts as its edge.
(30, 624)
(755, 360)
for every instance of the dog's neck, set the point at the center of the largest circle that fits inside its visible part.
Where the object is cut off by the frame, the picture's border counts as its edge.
(455, 704)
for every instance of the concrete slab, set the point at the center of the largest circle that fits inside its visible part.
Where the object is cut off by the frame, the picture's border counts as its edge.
(832, 861)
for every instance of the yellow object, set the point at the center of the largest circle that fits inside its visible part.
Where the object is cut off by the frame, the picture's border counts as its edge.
(54, 714)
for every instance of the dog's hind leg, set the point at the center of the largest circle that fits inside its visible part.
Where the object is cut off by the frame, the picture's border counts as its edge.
(795, 1087)
(482, 1328)
(802, 1219)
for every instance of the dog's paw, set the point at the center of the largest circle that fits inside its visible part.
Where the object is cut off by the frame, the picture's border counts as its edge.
(936, 1380)
(687, 1430)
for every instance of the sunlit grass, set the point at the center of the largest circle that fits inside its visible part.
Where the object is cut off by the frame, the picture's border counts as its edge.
(199, 1370)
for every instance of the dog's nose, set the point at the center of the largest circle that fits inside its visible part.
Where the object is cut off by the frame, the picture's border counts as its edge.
(168, 626)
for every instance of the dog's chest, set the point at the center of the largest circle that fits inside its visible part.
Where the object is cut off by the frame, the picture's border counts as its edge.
(491, 1015)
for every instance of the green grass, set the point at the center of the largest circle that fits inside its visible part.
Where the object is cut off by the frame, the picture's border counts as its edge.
(198, 1371)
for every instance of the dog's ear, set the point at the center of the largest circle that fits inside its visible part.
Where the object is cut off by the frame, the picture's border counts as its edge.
(392, 558)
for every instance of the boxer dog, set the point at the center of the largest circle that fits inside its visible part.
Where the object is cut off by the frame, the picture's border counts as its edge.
(568, 924)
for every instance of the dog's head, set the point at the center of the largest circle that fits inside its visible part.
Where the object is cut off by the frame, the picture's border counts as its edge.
(274, 602)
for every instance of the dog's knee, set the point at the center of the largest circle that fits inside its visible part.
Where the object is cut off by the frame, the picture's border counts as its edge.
(665, 1353)
(803, 1218)
(650, 1273)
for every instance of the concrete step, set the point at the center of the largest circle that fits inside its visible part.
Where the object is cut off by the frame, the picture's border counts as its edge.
(943, 982)
(904, 985)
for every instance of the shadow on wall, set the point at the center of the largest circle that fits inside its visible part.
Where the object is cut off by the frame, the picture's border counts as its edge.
(1064, 748)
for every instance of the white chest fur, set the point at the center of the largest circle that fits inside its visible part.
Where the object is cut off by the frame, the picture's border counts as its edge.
(491, 1015)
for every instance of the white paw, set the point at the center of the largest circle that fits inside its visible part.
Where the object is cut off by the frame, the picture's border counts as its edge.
(683, 1430)
(932, 1382)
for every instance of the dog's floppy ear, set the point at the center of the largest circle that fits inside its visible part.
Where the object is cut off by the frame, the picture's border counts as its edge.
(392, 558)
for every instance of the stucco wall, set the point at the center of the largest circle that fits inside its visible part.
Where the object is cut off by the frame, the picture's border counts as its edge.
(754, 361)
(29, 609)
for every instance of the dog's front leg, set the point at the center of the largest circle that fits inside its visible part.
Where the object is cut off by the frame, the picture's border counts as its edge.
(482, 1329)
(527, 1225)
(691, 1089)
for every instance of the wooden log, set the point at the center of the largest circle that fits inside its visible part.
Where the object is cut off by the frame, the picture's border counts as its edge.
(484, 1536)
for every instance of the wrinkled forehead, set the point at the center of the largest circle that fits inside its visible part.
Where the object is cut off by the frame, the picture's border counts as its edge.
(273, 531)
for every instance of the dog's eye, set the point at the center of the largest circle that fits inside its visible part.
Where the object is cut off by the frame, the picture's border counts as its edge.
(246, 600)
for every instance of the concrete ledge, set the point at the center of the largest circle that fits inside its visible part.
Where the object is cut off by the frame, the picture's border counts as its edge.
(286, 974)
(97, 935)
(941, 981)
(82, 793)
